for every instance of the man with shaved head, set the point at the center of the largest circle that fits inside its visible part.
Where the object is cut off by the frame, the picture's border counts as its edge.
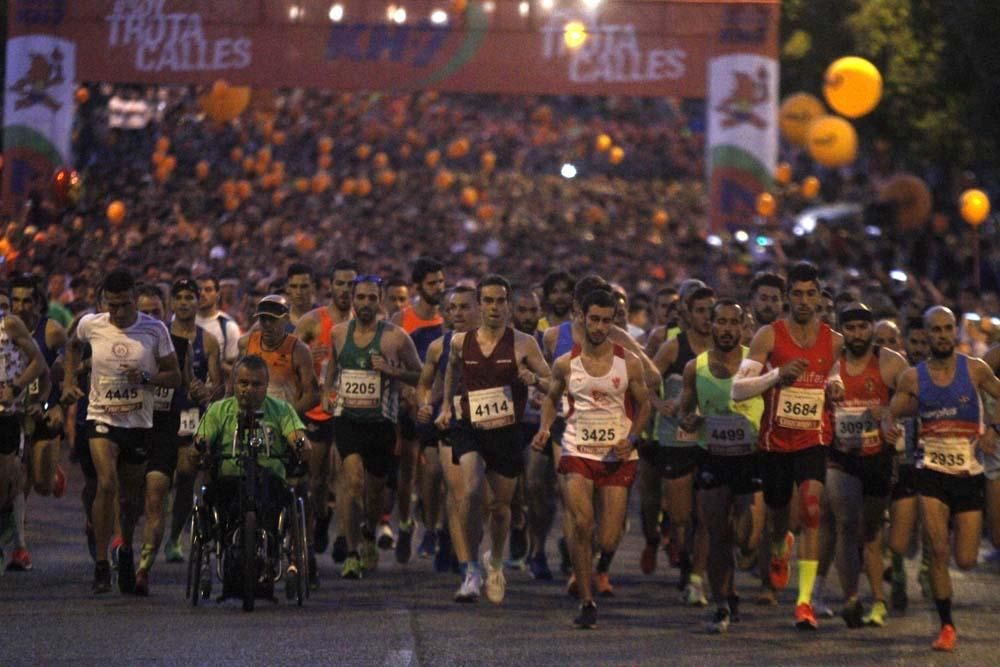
(944, 392)
(887, 335)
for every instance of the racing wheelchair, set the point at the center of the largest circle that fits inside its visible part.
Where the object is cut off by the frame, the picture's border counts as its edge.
(253, 526)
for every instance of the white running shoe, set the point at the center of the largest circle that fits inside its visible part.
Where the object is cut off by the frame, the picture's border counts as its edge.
(694, 593)
(469, 590)
(496, 583)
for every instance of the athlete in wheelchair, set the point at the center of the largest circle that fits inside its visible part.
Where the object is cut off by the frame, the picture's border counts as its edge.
(246, 515)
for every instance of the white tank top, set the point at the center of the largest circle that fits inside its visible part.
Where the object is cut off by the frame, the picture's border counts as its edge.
(114, 400)
(13, 361)
(600, 411)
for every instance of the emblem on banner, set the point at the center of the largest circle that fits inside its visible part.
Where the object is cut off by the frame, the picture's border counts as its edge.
(43, 73)
(749, 91)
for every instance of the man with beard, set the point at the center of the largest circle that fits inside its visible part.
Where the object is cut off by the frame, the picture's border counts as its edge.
(495, 366)
(462, 311)
(557, 298)
(423, 322)
(665, 307)
(300, 287)
(802, 352)
(728, 432)
(225, 330)
(859, 469)
(206, 384)
(368, 361)
(314, 330)
(766, 297)
(608, 409)
(943, 392)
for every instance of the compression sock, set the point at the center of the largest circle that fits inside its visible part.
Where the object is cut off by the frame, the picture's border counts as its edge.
(944, 611)
(807, 577)
(604, 561)
(898, 571)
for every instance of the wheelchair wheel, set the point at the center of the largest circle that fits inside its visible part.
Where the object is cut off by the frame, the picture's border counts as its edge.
(307, 573)
(195, 558)
(249, 560)
(295, 583)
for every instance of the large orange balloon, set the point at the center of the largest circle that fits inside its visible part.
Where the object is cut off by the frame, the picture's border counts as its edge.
(911, 199)
(766, 204)
(852, 86)
(796, 113)
(224, 102)
(661, 218)
(617, 155)
(603, 143)
(974, 206)
(832, 141)
(116, 212)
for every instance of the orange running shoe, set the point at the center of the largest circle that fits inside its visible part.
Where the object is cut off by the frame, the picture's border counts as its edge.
(805, 619)
(602, 585)
(779, 565)
(946, 640)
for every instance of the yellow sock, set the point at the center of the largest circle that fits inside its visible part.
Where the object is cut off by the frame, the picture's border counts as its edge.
(807, 577)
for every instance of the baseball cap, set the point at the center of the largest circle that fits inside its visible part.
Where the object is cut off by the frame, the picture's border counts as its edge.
(855, 311)
(272, 305)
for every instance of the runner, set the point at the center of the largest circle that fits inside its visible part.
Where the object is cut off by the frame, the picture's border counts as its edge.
(222, 326)
(495, 366)
(887, 334)
(859, 469)
(666, 323)
(300, 287)
(397, 296)
(557, 299)
(728, 432)
(942, 392)
(369, 359)
(605, 386)
(802, 354)
(132, 353)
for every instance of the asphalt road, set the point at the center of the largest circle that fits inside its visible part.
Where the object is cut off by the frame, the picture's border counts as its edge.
(403, 615)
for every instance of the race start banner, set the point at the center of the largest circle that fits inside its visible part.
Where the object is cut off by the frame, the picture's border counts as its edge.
(643, 48)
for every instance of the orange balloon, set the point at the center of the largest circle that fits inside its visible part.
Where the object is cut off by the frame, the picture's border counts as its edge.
(325, 144)
(162, 174)
(320, 182)
(617, 155)
(162, 145)
(158, 158)
(661, 218)
(201, 170)
(228, 188)
(278, 196)
(324, 161)
(302, 184)
(405, 151)
(432, 157)
(766, 204)
(249, 165)
(348, 186)
(278, 167)
(236, 154)
(444, 179)
(459, 6)
(783, 173)
(279, 138)
(243, 189)
(381, 160)
(470, 196)
(363, 151)
(974, 206)
(387, 177)
(305, 242)
(810, 187)
(116, 212)
(231, 203)
(169, 163)
(603, 143)
(364, 187)
(82, 95)
(224, 102)
(486, 212)
(488, 161)
(458, 148)
(264, 154)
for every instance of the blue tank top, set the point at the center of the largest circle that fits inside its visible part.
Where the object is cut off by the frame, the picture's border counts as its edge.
(564, 341)
(39, 336)
(950, 418)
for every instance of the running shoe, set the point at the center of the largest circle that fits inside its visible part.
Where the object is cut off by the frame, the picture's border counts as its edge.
(876, 617)
(853, 613)
(20, 560)
(102, 577)
(126, 570)
(602, 585)
(321, 532)
(565, 564)
(369, 555)
(428, 545)
(116, 543)
(694, 593)
(339, 553)
(404, 543)
(779, 572)
(572, 587)
(173, 552)
(719, 623)
(538, 567)
(59, 488)
(471, 585)
(805, 619)
(141, 583)
(587, 619)
(647, 562)
(496, 583)
(946, 640)
(352, 568)
(386, 541)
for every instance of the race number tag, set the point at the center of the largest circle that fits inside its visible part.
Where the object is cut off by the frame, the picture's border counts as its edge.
(491, 408)
(729, 435)
(800, 409)
(189, 422)
(686, 437)
(34, 389)
(162, 398)
(856, 430)
(952, 456)
(360, 389)
(117, 395)
(597, 433)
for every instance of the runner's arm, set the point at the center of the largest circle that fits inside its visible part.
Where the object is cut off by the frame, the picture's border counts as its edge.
(748, 381)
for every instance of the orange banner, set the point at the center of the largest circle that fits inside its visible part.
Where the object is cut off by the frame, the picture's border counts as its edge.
(619, 47)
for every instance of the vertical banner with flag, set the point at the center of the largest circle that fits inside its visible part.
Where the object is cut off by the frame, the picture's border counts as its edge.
(38, 110)
(742, 111)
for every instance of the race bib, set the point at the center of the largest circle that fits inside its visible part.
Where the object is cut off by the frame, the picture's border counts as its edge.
(118, 396)
(360, 389)
(189, 422)
(729, 435)
(856, 430)
(952, 456)
(800, 409)
(34, 389)
(597, 432)
(162, 398)
(491, 408)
